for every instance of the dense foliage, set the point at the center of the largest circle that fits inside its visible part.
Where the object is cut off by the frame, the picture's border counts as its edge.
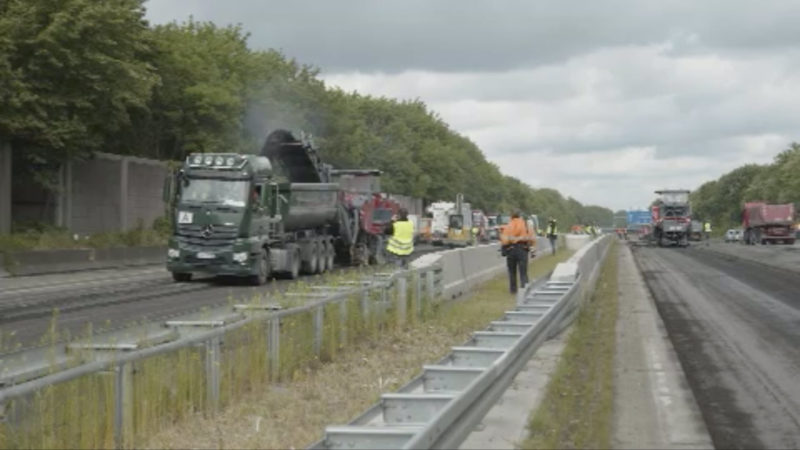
(77, 76)
(721, 200)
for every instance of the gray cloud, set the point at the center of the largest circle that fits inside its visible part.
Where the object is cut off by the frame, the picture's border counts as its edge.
(456, 35)
(605, 101)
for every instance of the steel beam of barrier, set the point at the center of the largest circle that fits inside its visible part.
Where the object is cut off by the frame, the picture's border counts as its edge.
(440, 407)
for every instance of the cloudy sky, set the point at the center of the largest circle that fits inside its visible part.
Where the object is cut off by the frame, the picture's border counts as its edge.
(605, 101)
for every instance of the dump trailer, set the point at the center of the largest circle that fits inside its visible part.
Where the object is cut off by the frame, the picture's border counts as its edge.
(258, 216)
(768, 224)
(671, 214)
(232, 216)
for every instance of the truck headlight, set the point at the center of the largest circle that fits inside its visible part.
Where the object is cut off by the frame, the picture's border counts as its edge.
(173, 253)
(240, 257)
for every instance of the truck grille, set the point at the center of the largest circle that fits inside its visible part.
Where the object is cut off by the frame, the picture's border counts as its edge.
(207, 235)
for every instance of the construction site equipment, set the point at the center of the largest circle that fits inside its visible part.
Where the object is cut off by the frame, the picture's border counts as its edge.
(439, 212)
(459, 224)
(768, 224)
(671, 218)
(279, 213)
(480, 226)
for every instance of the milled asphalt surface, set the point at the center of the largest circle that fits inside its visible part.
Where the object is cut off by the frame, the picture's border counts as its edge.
(735, 325)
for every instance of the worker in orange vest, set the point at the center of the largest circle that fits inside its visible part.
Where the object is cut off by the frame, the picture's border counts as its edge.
(516, 245)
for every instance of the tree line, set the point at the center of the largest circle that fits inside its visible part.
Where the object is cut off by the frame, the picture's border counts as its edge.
(79, 76)
(722, 200)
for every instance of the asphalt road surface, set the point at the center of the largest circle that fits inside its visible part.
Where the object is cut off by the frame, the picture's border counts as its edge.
(735, 325)
(111, 299)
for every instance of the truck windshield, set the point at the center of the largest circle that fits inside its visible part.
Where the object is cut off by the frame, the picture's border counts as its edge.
(503, 219)
(674, 211)
(675, 197)
(457, 222)
(225, 192)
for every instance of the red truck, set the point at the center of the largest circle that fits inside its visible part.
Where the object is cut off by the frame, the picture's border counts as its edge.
(763, 223)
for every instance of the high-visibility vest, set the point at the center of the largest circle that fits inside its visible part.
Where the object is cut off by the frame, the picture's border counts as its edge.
(707, 227)
(402, 240)
(515, 232)
(552, 229)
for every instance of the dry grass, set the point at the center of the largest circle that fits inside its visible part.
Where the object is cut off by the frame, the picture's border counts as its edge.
(577, 410)
(294, 414)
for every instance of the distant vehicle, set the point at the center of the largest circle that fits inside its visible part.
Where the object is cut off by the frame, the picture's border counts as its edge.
(494, 233)
(671, 215)
(439, 212)
(768, 224)
(480, 226)
(733, 235)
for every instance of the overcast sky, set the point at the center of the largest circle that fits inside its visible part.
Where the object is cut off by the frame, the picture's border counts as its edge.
(605, 101)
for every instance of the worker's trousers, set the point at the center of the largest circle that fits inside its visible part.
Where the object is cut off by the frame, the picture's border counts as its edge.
(553, 238)
(517, 261)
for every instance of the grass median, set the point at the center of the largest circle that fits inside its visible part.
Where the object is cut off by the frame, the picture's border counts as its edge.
(577, 410)
(295, 413)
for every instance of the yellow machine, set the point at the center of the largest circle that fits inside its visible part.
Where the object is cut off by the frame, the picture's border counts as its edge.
(459, 224)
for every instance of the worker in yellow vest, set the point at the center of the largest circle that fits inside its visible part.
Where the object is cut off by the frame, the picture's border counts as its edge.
(401, 238)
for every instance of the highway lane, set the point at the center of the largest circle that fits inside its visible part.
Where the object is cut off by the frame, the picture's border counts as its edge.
(112, 299)
(735, 325)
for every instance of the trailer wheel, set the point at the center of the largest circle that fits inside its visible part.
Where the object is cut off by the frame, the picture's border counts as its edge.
(263, 269)
(330, 255)
(310, 265)
(321, 251)
(181, 277)
(294, 272)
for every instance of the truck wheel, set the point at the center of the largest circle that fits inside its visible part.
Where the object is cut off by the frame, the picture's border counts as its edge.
(181, 277)
(330, 255)
(320, 250)
(263, 269)
(310, 265)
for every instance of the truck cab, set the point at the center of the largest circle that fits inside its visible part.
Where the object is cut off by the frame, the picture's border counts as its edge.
(225, 209)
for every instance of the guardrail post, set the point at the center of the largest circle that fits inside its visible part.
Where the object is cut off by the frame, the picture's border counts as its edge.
(212, 374)
(430, 281)
(318, 318)
(343, 322)
(418, 294)
(402, 303)
(274, 347)
(123, 405)
(365, 304)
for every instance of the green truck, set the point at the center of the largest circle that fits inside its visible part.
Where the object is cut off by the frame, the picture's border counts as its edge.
(256, 216)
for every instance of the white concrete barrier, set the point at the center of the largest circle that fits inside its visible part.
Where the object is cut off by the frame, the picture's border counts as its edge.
(577, 241)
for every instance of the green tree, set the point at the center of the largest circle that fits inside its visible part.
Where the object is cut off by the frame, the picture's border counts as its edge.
(74, 72)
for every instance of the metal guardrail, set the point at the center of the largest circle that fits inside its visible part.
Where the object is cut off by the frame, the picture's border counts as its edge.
(440, 407)
(25, 374)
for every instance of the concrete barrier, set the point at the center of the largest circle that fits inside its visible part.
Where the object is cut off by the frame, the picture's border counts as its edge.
(577, 241)
(38, 262)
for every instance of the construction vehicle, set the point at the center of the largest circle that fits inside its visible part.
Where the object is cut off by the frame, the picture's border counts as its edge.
(439, 212)
(459, 224)
(425, 230)
(258, 216)
(768, 224)
(671, 215)
(371, 211)
(480, 226)
(696, 231)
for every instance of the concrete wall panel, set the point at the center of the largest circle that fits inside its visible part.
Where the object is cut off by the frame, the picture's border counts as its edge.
(95, 196)
(145, 183)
